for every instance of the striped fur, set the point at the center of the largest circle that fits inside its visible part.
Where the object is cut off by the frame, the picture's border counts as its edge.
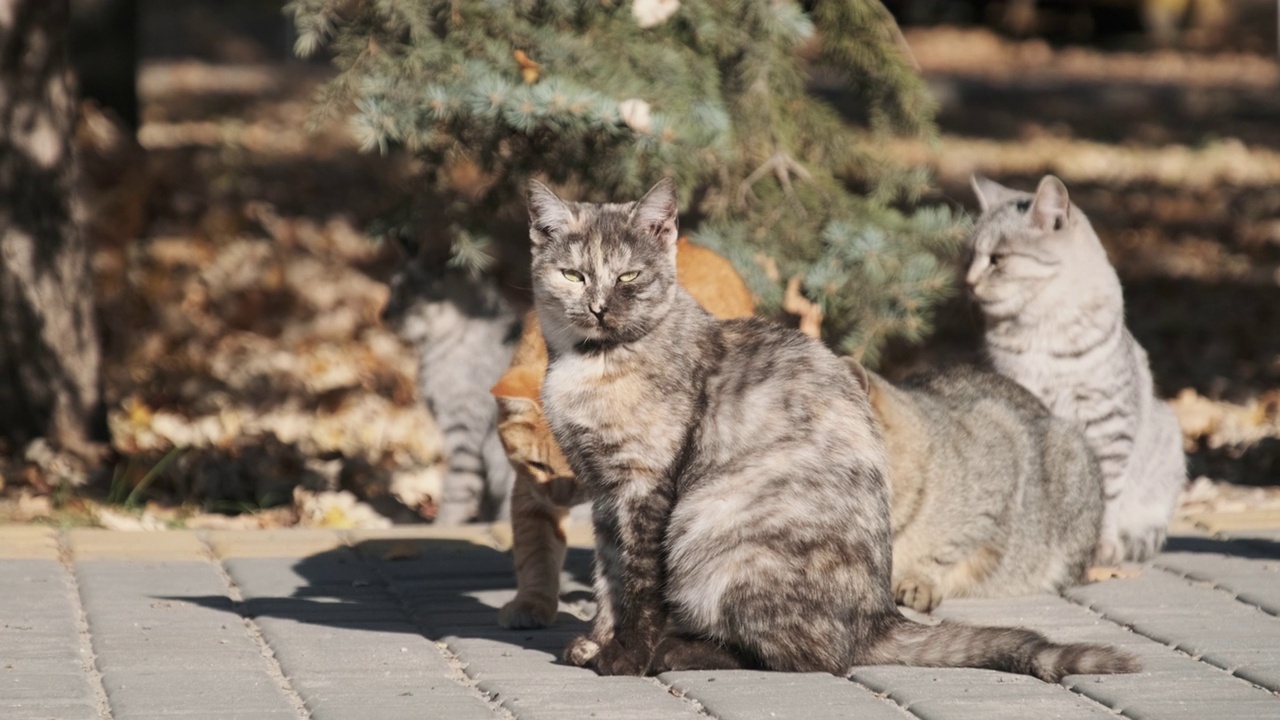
(991, 495)
(737, 476)
(1055, 323)
(464, 333)
(544, 485)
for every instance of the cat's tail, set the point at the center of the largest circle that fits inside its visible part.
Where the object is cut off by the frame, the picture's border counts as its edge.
(1014, 650)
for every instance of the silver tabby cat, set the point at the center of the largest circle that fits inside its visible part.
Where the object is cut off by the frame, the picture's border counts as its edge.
(1055, 323)
(991, 495)
(464, 333)
(739, 502)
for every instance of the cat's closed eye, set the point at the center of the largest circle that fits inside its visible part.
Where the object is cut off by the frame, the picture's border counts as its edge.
(572, 275)
(628, 277)
(1023, 205)
(996, 260)
(541, 467)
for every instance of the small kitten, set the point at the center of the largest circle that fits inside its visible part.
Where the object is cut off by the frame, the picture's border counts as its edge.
(544, 491)
(736, 473)
(990, 494)
(464, 332)
(1055, 323)
(545, 486)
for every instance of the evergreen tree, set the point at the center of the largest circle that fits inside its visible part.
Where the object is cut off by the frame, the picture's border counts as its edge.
(604, 97)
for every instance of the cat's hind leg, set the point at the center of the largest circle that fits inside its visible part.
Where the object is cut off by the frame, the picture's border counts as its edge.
(681, 652)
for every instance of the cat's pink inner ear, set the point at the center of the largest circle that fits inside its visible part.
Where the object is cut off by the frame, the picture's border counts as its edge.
(1052, 207)
(656, 212)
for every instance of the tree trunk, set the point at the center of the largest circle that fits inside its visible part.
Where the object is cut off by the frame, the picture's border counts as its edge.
(49, 355)
(104, 53)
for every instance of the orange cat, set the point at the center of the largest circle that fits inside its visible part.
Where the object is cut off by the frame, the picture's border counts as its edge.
(545, 487)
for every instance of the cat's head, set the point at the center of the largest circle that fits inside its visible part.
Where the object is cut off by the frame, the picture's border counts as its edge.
(429, 299)
(1023, 243)
(526, 435)
(602, 274)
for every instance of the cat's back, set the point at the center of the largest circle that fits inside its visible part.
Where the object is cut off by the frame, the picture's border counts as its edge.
(964, 389)
(776, 385)
(712, 281)
(996, 454)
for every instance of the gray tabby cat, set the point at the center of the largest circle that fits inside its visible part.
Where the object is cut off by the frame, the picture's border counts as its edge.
(738, 479)
(464, 333)
(990, 494)
(1055, 323)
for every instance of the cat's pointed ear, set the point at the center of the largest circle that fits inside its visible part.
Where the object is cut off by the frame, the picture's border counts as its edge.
(989, 192)
(548, 214)
(859, 373)
(522, 382)
(655, 213)
(1051, 209)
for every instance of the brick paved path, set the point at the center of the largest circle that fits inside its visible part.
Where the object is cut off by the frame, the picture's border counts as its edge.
(401, 624)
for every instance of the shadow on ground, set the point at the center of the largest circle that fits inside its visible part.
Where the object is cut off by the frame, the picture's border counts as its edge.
(442, 589)
(1252, 548)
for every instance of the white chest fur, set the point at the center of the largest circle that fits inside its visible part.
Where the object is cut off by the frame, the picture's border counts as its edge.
(609, 398)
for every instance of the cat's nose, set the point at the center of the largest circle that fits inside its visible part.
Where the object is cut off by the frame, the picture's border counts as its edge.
(598, 309)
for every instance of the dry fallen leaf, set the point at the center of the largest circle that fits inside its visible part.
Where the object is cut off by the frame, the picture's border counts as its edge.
(1100, 573)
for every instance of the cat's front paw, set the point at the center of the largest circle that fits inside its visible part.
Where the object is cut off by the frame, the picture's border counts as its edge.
(525, 614)
(1110, 552)
(1141, 547)
(581, 651)
(615, 658)
(918, 593)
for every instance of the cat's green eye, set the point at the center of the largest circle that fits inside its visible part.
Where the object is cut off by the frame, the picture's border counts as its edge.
(572, 275)
(628, 277)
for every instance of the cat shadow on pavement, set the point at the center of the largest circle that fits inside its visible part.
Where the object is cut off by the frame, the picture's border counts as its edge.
(1248, 548)
(438, 588)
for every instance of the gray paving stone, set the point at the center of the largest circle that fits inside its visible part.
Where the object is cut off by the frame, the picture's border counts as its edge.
(171, 644)
(182, 714)
(964, 694)
(105, 581)
(283, 576)
(303, 648)
(449, 563)
(387, 666)
(50, 640)
(1233, 566)
(1194, 618)
(417, 706)
(1121, 692)
(376, 608)
(1184, 708)
(49, 711)
(26, 687)
(161, 693)
(612, 698)
(42, 670)
(373, 690)
(1040, 708)
(744, 695)
(141, 612)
